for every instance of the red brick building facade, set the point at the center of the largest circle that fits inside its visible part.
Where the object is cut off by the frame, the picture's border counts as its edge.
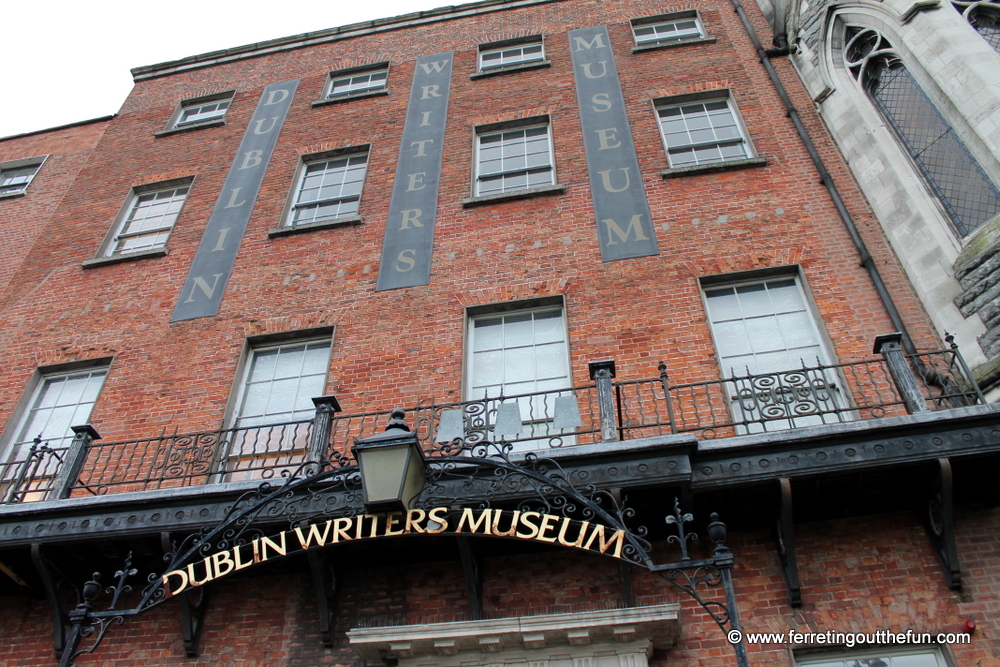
(759, 296)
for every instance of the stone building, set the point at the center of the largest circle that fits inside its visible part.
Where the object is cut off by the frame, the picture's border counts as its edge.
(617, 275)
(910, 94)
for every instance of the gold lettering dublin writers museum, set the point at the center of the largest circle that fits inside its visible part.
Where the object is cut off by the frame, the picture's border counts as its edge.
(514, 524)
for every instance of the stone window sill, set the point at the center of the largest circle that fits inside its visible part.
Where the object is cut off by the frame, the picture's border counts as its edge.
(517, 194)
(670, 45)
(13, 195)
(326, 224)
(125, 257)
(510, 68)
(193, 126)
(715, 166)
(351, 96)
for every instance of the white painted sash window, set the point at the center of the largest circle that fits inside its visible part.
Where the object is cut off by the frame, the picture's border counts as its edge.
(329, 189)
(515, 159)
(702, 132)
(148, 220)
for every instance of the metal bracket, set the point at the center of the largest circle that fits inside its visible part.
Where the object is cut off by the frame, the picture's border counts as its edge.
(194, 605)
(473, 578)
(941, 524)
(785, 538)
(325, 582)
(52, 580)
(624, 569)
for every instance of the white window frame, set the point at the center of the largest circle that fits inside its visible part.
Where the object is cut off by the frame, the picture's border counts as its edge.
(18, 439)
(750, 406)
(845, 657)
(511, 53)
(665, 29)
(502, 129)
(357, 81)
(687, 106)
(348, 155)
(536, 413)
(269, 442)
(21, 188)
(181, 120)
(114, 246)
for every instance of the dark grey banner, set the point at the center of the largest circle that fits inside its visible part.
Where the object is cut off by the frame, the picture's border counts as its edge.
(213, 262)
(409, 230)
(624, 225)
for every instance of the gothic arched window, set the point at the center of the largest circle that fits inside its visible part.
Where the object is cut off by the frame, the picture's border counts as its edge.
(951, 171)
(985, 18)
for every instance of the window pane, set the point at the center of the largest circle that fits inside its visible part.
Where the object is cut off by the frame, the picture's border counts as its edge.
(487, 368)
(510, 56)
(150, 218)
(748, 331)
(518, 330)
(488, 333)
(519, 365)
(733, 338)
(532, 354)
(196, 113)
(16, 179)
(513, 160)
(61, 401)
(329, 189)
(701, 133)
(281, 382)
(954, 176)
(550, 361)
(374, 80)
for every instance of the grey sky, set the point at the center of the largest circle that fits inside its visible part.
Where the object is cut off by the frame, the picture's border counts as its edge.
(69, 60)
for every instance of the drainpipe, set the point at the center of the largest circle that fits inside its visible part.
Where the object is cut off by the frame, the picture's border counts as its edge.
(782, 49)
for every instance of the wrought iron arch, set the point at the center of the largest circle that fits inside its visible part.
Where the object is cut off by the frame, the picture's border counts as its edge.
(484, 471)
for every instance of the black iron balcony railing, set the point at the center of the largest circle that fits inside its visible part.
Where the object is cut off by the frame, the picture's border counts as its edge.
(601, 411)
(30, 476)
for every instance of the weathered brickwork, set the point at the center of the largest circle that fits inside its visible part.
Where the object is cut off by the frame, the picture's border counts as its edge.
(26, 217)
(635, 311)
(857, 576)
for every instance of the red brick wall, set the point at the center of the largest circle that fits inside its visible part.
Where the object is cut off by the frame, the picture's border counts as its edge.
(402, 346)
(858, 575)
(24, 218)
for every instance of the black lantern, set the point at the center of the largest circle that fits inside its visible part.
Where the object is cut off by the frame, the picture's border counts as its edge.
(392, 466)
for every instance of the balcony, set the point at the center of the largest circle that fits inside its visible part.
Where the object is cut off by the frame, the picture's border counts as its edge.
(604, 411)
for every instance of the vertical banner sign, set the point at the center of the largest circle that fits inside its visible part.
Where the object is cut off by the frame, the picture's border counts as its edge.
(213, 262)
(624, 225)
(409, 230)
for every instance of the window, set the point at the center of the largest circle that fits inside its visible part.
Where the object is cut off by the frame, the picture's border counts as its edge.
(511, 52)
(702, 132)
(883, 658)
(357, 80)
(514, 159)
(15, 176)
(328, 189)
(985, 19)
(765, 335)
(60, 400)
(276, 390)
(515, 353)
(667, 29)
(202, 110)
(147, 219)
(952, 173)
